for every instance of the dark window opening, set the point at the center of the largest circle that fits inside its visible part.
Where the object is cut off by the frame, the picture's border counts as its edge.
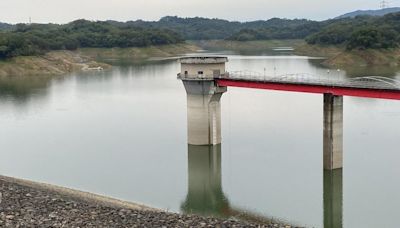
(200, 72)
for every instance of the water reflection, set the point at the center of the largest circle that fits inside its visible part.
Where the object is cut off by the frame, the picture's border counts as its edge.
(205, 195)
(143, 104)
(358, 71)
(333, 198)
(385, 71)
(21, 89)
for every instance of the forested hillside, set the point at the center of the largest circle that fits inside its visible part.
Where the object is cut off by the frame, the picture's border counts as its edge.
(361, 32)
(5, 26)
(205, 29)
(279, 29)
(37, 39)
(193, 28)
(379, 12)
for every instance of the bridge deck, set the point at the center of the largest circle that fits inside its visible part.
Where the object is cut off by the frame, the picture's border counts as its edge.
(370, 87)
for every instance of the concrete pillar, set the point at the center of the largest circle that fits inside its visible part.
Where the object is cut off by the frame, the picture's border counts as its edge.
(203, 111)
(205, 195)
(333, 132)
(333, 198)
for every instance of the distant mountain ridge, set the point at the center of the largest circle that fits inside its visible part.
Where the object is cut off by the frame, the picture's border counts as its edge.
(5, 26)
(380, 12)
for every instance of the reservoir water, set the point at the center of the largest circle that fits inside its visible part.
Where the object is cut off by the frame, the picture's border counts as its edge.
(123, 133)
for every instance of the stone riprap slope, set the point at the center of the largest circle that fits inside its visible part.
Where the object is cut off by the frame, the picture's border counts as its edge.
(26, 205)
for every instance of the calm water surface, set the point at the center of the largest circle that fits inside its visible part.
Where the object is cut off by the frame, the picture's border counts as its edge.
(122, 133)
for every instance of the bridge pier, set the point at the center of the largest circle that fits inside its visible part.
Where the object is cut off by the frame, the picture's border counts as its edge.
(333, 132)
(203, 111)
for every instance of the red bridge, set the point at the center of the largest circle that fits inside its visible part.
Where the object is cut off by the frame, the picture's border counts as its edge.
(370, 87)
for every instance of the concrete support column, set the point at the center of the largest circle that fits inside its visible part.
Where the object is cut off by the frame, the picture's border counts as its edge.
(333, 132)
(333, 198)
(203, 112)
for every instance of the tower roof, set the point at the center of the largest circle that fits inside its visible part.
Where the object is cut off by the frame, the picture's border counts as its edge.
(203, 60)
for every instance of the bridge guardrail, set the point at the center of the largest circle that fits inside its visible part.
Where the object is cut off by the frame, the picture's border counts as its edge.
(368, 82)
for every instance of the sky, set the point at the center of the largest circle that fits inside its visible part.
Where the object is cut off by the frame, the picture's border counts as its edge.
(63, 11)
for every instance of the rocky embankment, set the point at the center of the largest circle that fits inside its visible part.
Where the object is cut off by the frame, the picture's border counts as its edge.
(28, 204)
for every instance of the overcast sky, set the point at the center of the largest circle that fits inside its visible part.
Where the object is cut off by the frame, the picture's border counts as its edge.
(62, 11)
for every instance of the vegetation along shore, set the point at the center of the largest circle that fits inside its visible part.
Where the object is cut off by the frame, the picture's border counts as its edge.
(32, 49)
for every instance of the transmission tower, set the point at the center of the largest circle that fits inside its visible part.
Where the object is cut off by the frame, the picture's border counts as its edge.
(384, 4)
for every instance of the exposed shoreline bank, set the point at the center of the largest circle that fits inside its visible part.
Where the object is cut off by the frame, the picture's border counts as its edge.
(63, 62)
(335, 56)
(30, 204)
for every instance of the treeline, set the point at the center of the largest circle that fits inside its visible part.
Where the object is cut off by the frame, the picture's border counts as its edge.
(279, 29)
(5, 26)
(361, 32)
(198, 28)
(357, 32)
(36, 39)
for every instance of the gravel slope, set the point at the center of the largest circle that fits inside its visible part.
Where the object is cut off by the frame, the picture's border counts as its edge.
(29, 204)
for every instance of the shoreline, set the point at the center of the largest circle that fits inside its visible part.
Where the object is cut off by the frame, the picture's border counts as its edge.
(25, 203)
(56, 63)
(335, 56)
(76, 194)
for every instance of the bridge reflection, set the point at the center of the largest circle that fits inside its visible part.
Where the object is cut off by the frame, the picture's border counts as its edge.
(206, 197)
(206, 80)
(333, 198)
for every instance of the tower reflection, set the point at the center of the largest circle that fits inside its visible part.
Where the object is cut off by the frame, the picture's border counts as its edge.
(205, 195)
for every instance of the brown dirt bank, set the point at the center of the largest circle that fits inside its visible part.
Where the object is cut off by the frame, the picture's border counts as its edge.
(340, 57)
(62, 62)
(52, 63)
(365, 58)
(336, 56)
(29, 204)
(138, 54)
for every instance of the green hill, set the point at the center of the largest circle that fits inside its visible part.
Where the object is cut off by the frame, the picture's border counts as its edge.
(379, 12)
(5, 26)
(362, 32)
(36, 39)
